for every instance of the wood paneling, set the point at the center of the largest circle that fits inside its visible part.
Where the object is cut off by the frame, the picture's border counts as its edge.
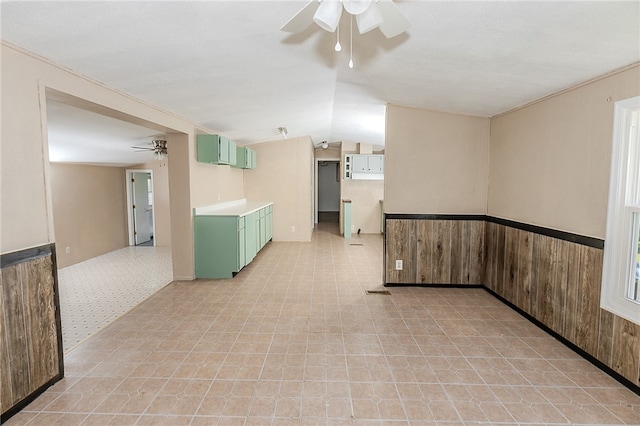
(626, 343)
(552, 277)
(523, 281)
(435, 251)
(558, 283)
(400, 243)
(29, 328)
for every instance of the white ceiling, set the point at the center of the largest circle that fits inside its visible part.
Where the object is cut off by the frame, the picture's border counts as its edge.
(226, 65)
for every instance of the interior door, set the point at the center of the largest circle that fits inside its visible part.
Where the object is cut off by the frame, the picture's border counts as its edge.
(142, 208)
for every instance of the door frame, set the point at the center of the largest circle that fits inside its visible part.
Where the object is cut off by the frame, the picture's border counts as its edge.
(317, 189)
(130, 219)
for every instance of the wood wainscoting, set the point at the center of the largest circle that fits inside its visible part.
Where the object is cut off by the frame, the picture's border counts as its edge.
(30, 327)
(435, 249)
(553, 277)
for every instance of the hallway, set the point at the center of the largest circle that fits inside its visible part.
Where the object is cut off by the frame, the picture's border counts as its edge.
(295, 339)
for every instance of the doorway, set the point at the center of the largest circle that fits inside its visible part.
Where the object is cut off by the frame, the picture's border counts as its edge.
(328, 191)
(140, 207)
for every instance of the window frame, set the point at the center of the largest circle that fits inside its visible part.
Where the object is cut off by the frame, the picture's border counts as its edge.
(617, 265)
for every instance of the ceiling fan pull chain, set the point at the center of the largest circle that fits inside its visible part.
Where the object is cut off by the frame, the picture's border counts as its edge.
(351, 44)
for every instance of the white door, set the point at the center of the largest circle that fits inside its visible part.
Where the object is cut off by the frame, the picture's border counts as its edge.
(142, 208)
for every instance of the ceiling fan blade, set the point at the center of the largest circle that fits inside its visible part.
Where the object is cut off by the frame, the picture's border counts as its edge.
(302, 19)
(142, 148)
(394, 22)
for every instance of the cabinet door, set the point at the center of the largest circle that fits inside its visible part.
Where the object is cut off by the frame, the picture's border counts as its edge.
(263, 227)
(269, 224)
(251, 234)
(223, 150)
(375, 163)
(251, 159)
(208, 148)
(241, 157)
(216, 251)
(359, 163)
(232, 152)
(242, 251)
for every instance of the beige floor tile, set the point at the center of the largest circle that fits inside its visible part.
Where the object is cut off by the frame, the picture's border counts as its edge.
(294, 339)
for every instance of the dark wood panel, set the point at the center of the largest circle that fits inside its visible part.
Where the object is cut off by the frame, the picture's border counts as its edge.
(500, 252)
(492, 254)
(17, 351)
(6, 394)
(626, 343)
(476, 252)
(30, 329)
(510, 264)
(561, 274)
(441, 249)
(605, 338)
(401, 244)
(40, 320)
(457, 252)
(544, 275)
(525, 260)
(588, 312)
(424, 274)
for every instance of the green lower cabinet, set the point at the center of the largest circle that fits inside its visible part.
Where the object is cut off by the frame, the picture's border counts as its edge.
(226, 244)
(217, 246)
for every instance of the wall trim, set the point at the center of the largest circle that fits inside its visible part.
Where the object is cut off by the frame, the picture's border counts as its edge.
(549, 232)
(429, 216)
(13, 258)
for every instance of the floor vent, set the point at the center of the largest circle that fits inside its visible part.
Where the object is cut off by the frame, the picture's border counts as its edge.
(385, 292)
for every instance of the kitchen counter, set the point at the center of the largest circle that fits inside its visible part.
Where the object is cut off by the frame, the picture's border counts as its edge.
(231, 208)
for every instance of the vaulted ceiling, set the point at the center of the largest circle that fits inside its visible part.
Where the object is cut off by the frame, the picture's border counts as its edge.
(227, 66)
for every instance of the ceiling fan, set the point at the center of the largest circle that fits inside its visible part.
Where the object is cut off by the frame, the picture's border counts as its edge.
(370, 14)
(158, 146)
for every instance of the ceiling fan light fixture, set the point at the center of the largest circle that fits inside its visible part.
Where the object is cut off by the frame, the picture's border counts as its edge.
(369, 19)
(328, 15)
(324, 145)
(356, 7)
(159, 148)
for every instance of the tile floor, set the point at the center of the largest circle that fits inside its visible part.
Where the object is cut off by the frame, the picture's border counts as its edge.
(95, 292)
(294, 339)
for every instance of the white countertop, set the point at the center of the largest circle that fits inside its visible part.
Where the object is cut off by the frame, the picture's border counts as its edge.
(231, 208)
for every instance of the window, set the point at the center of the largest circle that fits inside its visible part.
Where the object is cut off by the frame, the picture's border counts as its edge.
(621, 273)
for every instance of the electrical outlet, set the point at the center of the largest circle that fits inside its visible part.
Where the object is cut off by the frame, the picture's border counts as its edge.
(293, 229)
(219, 197)
(67, 250)
(398, 264)
(353, 227)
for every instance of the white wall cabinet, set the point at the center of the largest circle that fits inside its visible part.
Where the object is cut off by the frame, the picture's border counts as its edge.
(364, 166)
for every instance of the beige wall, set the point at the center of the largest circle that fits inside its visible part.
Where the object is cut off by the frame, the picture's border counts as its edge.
(26, 216)
(550, 161)
(161, 201)
(89, 211)
(284, 175)
(213, 183)
(435, 163)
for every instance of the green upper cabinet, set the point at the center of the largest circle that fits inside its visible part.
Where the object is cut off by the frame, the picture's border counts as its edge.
(216, 149)
(245, 158)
